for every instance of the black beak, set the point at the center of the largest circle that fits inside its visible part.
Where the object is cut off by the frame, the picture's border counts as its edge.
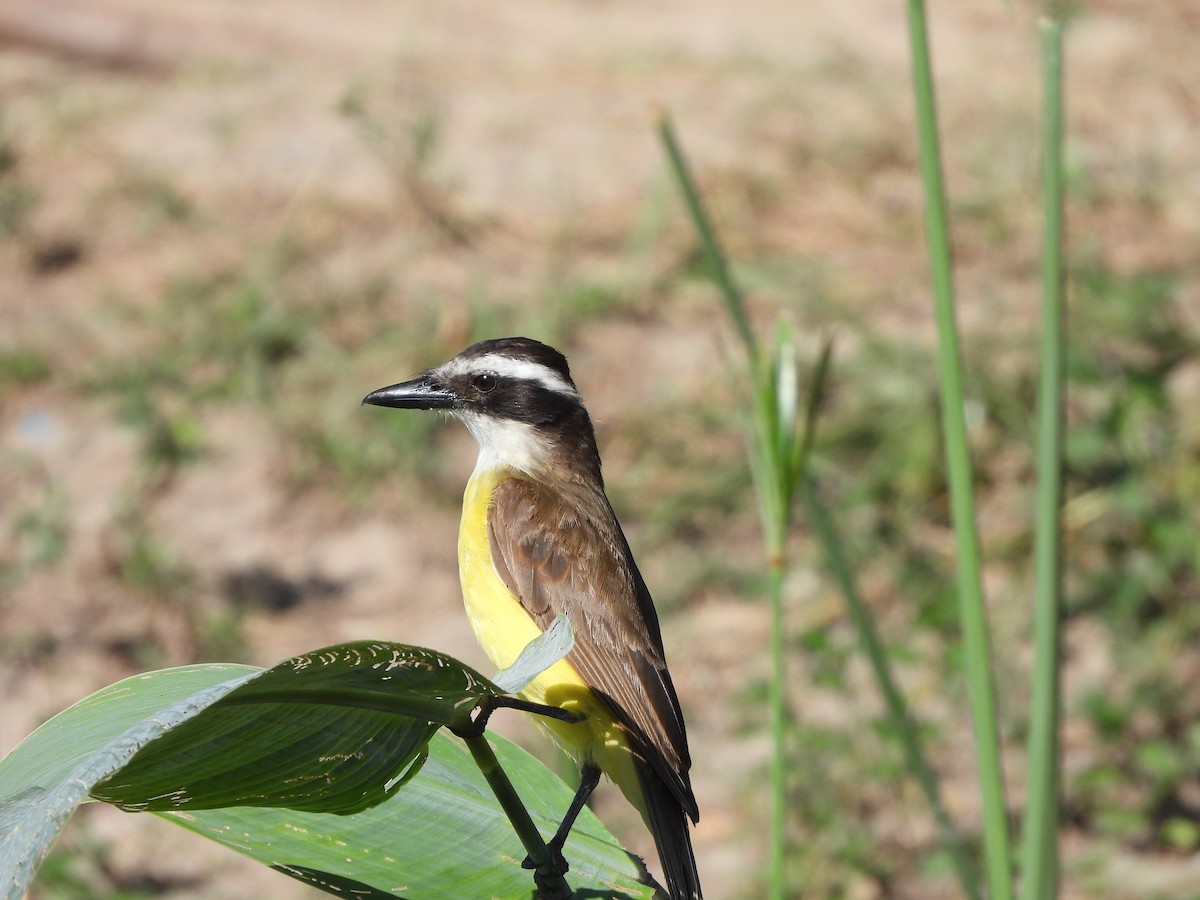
(420, 393)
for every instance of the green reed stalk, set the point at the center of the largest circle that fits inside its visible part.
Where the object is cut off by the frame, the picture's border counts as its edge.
(1039, 859)
(976, 650)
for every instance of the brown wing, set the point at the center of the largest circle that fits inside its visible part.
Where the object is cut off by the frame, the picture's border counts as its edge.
(570, 556)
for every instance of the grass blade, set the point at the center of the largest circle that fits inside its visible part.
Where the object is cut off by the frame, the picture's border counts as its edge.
(817, 381)
(730, 294)
(976, 651)
(777, 706)
(1039, 859)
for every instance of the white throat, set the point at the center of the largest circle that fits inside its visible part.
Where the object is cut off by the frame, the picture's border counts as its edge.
(505, 442)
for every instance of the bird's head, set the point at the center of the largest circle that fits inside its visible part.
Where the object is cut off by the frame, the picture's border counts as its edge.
(516, 397)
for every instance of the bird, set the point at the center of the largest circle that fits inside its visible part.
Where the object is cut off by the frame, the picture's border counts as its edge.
(538, 537)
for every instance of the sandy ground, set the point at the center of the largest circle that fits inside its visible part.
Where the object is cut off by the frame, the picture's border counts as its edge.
(544, 161)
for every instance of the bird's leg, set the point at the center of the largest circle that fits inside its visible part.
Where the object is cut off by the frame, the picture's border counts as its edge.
(493, 702)
(589, 777)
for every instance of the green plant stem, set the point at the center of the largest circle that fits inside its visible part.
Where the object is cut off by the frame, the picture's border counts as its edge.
(551, 886)
(712, 250)
(976, 652)
(1039, 868)
(774, 509)
(906, 727)
(777, 712)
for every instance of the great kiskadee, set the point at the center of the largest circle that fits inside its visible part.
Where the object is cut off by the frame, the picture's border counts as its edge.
(538, 538)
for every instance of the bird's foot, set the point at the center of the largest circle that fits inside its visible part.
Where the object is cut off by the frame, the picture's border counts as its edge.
(489, 704)
(555, 866)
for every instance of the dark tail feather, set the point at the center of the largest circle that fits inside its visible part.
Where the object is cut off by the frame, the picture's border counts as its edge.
(672, 836)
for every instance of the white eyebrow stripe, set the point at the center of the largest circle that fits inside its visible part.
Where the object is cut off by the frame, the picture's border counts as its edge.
(508, 367)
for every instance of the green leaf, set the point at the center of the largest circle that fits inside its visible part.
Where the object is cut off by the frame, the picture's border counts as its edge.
(334, 730)
(49, 774)
(444, 835)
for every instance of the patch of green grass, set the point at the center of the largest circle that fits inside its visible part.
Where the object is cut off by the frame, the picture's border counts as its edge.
(18, 200)
(154, 398)
(880, 458)
(22, 366)
(220, 636)
(221, 335)
(332, 442)
(575, 304)
(42, 529)
(1127, 453)
(876, 420)
(159, 201)
(687, 474)
(1141, 776)
(826, 656)
(358, 454)
(18, 197)
(833, 855)
(149, 565)
(275, 336)
(224, 338)
(80, 867)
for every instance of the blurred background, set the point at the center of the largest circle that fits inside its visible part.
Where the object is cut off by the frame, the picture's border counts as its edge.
(222, 223)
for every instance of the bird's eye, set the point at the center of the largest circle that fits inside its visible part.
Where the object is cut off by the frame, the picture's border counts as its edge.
(484, 382)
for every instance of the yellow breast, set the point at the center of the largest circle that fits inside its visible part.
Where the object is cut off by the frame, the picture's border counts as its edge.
(503, 628)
